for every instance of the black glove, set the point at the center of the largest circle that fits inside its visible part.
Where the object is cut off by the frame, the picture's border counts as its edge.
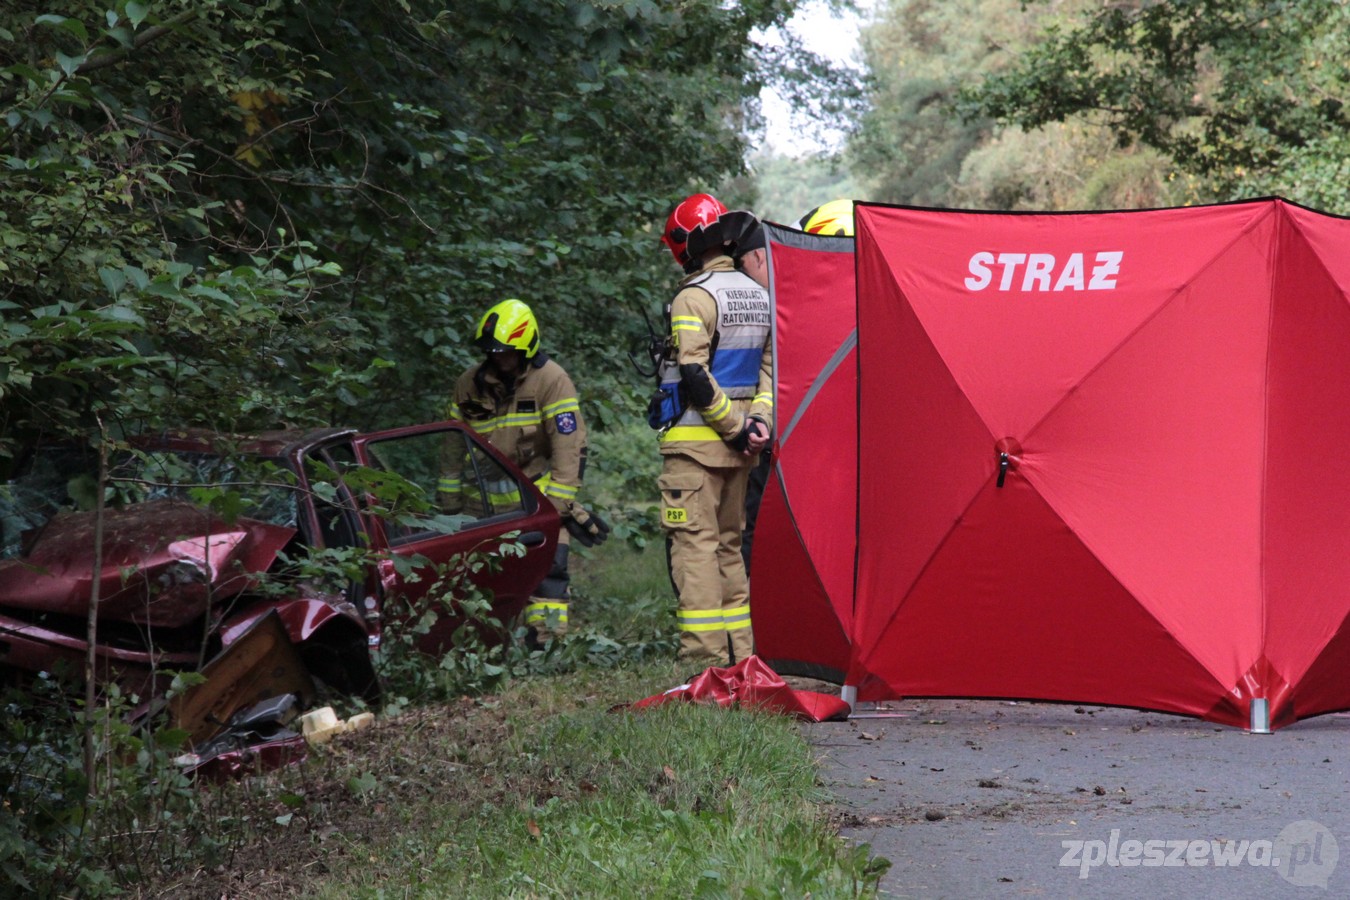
(741, 440)
(586, 527)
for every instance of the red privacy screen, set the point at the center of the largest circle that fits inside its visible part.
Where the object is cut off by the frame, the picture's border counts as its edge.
(1098, 457)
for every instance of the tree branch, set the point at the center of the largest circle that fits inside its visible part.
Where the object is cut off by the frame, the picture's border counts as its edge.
(155, 32)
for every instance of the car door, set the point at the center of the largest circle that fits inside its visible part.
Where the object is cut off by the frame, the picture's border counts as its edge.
(476, 492)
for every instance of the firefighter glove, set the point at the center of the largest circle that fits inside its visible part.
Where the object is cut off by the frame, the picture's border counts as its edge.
(741, 440)
(586, 527)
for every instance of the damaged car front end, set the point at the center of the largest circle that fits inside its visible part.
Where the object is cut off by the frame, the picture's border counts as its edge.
(175, 584)
(197, 564)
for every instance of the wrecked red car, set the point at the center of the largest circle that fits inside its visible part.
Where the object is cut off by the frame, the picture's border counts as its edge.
(206, 543)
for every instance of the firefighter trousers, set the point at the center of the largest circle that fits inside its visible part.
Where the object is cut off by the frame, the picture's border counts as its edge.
(703, 512)
(546, 613)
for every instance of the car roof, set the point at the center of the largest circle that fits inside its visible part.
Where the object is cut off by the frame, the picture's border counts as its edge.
(274, 444)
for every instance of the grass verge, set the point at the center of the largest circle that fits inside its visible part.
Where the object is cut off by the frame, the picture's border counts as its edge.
(541, 784)
(545, 790)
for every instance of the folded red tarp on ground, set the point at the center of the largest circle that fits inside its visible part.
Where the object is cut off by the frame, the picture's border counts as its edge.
(752, 683)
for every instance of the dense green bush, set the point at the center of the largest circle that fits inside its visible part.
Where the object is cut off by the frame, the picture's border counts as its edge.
(57, 836)
(243, 215)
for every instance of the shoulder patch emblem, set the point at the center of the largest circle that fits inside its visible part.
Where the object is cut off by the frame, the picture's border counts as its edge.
(566, 422)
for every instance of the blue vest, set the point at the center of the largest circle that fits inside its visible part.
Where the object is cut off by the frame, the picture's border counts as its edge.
(741, 330)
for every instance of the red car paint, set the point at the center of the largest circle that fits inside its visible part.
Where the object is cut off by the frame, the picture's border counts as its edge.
(148, 577)
(177, 583)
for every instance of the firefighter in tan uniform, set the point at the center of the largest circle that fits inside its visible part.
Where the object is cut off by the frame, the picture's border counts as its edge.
(719, 377)
(526, 406)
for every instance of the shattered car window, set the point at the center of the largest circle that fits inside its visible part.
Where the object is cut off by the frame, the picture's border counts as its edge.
(251, 488)
(29, 501)
(65, 480)
(468, 485)
(49, 484)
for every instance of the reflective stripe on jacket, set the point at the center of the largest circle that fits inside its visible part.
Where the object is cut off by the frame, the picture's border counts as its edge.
(721, 320)
(536, 422)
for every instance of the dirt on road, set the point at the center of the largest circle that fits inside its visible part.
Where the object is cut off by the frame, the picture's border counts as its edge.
(976, 798)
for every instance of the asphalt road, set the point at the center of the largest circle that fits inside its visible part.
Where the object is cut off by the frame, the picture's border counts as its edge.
(991, 798)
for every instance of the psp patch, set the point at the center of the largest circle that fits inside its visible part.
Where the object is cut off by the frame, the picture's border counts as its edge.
(566, 422)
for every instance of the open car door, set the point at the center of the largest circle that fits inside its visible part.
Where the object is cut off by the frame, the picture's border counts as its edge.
(480, 500)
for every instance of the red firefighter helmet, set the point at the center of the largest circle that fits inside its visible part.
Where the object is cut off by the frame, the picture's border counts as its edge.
(693, 222)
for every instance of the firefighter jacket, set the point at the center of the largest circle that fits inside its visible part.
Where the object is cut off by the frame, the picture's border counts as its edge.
(720, 324)
(533, 419)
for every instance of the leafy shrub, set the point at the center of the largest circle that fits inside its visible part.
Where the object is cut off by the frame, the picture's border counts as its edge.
(60, 835)
(621, 481)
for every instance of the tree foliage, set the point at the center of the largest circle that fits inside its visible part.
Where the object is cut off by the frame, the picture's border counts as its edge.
(789, 187)
(250, 214)
(922, 142)
(919, 52)
(1246, 96)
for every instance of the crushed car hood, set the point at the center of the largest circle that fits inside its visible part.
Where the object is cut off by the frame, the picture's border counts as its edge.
(163, 562)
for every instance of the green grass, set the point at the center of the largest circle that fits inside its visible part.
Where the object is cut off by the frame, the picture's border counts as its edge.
(580, 800)
(550, 787)
(577, 798)
(624, 594)
(614, 569)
